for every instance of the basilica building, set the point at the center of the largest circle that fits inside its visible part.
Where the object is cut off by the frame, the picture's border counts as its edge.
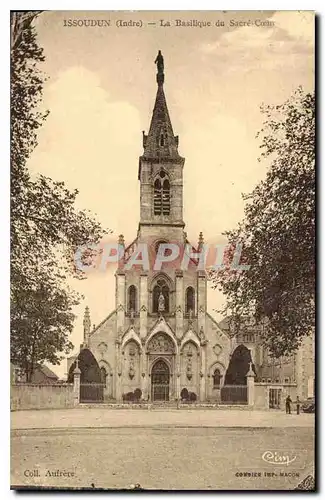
(160, 339)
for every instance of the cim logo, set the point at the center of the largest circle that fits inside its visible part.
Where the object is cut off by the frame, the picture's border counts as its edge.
(277, 458)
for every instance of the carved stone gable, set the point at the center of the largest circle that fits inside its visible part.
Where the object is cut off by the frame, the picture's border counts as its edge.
(161, 343)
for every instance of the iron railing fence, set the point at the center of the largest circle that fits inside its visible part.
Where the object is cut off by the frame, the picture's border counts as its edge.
(234, 394)
(160, 392)
(91, 392)
(275, 398)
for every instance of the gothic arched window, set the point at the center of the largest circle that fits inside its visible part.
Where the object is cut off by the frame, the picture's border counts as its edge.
(132, 298)
(217, 378)
(161, 287)
(103, 375)
(190, 302)
(161, 200)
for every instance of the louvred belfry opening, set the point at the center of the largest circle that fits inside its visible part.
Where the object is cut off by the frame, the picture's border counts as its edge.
(161, 195)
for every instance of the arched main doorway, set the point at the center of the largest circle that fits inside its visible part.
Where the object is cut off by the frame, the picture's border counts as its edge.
(160, 376)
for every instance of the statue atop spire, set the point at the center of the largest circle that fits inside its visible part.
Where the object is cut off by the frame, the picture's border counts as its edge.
(160, 68)
(201, 241)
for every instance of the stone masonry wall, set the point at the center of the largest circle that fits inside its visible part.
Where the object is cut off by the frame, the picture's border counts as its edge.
(31, 396)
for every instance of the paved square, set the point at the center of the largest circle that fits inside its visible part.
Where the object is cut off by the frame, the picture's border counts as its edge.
(194, 449)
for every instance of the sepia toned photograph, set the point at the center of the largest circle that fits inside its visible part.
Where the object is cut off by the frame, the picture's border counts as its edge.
(162, 225)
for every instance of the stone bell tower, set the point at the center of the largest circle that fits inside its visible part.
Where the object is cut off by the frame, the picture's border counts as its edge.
(161, 171)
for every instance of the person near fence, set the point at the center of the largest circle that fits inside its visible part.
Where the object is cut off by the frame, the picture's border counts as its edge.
(298, 403)
(288, 404)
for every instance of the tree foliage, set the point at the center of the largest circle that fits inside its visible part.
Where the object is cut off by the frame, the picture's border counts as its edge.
(46, 228)
(278, 232)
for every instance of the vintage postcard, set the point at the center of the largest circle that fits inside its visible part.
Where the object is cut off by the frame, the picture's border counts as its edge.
(163, 250)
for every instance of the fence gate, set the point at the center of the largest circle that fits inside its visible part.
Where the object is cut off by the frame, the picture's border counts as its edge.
(91, 381)
(160, 381)
(234, 394)
(160, 392)
(91, 392)
(275, 398)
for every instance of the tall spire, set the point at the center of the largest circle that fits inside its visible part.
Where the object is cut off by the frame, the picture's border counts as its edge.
(160, 141)
(87, 325)
(160, 167)
(201, 241)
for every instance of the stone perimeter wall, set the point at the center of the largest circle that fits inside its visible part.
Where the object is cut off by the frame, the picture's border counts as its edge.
(262, 391)
(36, 396)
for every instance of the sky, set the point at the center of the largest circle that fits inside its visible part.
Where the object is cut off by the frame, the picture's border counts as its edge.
(100, 92)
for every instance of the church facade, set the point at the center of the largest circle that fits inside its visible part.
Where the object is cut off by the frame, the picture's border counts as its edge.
(160, 339)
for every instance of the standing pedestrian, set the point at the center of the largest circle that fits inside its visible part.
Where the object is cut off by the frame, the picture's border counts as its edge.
(298, 405)
(288, 404)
